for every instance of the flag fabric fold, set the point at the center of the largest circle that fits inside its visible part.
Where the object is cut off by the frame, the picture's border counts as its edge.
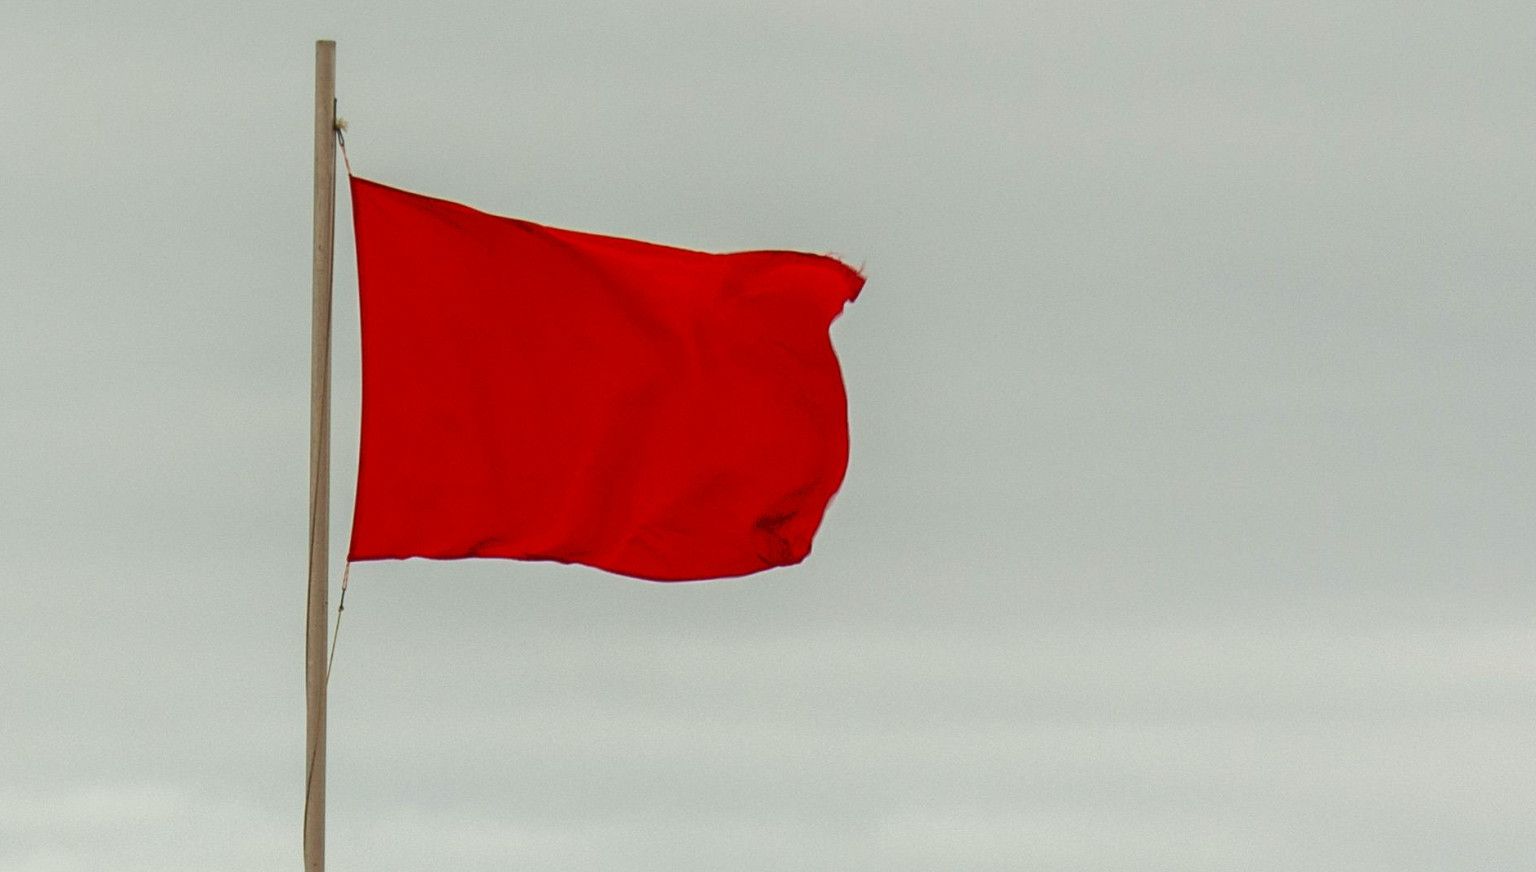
(545, 394)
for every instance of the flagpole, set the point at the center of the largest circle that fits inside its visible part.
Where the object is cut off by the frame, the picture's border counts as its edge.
(319, 455)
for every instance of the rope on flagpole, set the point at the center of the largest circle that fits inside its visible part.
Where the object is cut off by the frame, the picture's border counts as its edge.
(341, 604)
(341, 140)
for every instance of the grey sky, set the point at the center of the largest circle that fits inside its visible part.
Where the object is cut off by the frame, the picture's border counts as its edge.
(1189, 518)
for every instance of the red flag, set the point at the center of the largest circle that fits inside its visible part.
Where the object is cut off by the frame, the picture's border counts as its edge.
(544, 394)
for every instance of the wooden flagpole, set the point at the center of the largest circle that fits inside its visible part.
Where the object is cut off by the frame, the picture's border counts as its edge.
(319, 454)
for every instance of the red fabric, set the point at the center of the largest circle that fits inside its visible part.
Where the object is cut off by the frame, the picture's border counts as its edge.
(545, 394)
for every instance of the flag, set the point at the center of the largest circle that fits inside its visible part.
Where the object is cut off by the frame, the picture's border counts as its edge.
(545, 394)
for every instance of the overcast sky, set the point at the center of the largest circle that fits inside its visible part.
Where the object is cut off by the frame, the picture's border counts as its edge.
(1189, 520)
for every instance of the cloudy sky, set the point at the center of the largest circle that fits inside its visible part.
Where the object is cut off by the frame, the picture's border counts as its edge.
(1189, 518)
